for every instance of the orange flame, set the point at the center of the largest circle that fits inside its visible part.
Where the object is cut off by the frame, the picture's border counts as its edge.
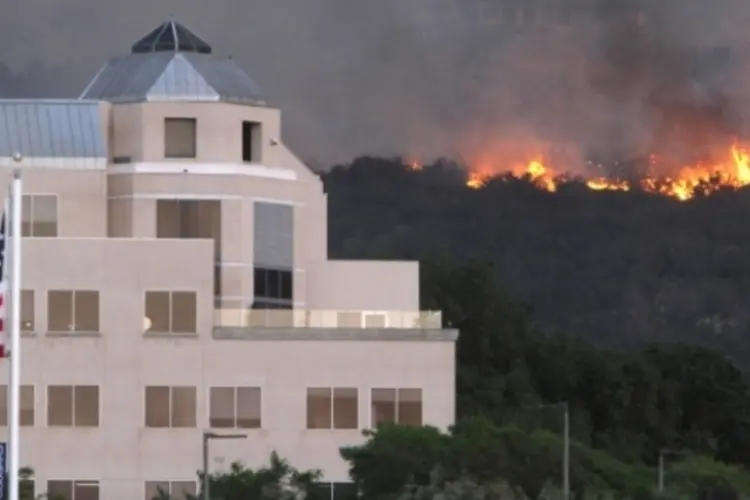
(733, 172)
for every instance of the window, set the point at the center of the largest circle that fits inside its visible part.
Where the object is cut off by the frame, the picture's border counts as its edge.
(272, 287)
(177, 490)
(179, 137)
(192, 219)
(170, 406)
(336, 491)
(400, 406)
(189, 219)
(39, 215)
(251, 142)
(73, 490)
(27, 310)
(235, 407)
(27, 405)
(73, 406)
(26, 488)
(376, 320)
(73, 311)
(171, 312)
(332, 408)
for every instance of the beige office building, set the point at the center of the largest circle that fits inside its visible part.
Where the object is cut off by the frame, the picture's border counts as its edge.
(176, 280)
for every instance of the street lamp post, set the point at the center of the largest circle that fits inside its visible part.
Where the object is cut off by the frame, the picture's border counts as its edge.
(663, 453)
(208, 436)
(566, 444)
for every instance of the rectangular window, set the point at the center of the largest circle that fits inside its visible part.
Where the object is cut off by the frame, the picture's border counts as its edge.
(27, 405)
(235, 408)
(72, 490)
(73, 311)
(73, 406)
(180, 137)
(39, 215)
(400, 406)
(27, 310)
(178, 490)
(171, 312)
(336, 491)
(251, 142)
(332, 408)
(170, 406)
(26, 488)
(272, 287)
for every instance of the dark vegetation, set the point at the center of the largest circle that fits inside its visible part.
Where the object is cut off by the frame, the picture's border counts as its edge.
(614, 268)
(632, 306)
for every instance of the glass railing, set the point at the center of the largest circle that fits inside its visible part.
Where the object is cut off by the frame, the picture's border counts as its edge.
(309, 318)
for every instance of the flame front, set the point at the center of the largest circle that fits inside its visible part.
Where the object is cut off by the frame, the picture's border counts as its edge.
(731, 173)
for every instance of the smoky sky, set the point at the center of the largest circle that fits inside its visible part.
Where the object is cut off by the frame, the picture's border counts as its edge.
(431, 78)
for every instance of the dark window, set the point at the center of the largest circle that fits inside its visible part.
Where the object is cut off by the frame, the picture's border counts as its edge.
(274, 284)
(180, 137)
(271, 304)
(251, 144)
(286, 284)
(261, 288)
(344, 491)
(273, 287)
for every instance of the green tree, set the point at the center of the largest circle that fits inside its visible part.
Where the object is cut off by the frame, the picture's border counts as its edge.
(279, 480)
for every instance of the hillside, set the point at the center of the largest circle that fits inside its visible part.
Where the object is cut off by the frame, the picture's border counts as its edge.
(618, 268)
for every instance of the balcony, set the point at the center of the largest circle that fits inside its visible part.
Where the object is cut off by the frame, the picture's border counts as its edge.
(329, 319)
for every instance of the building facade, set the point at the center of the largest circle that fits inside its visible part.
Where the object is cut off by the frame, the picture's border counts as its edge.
(176, 280)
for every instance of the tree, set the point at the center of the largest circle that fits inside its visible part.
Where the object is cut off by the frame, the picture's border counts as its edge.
(277, 481)
(477, 460)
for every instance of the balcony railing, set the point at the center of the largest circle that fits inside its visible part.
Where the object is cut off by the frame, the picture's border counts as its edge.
(307, 318)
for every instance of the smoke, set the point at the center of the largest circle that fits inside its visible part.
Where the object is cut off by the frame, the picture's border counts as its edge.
(460, 78)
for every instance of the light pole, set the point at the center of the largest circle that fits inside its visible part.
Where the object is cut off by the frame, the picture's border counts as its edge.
(566, 443)
(663, 453)
(208, 436)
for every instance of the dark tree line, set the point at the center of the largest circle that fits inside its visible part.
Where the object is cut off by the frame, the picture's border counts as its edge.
(632, 306)
(618, 269)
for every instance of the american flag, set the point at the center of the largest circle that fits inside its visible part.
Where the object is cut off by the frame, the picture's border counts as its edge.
(3, 286)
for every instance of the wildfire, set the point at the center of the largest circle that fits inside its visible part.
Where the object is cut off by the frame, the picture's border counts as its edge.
(732, 172)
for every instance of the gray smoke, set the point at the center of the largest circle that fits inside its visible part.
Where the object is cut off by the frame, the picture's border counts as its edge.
(428, 77)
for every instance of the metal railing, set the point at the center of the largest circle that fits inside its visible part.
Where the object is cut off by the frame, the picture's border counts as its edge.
(316, 318)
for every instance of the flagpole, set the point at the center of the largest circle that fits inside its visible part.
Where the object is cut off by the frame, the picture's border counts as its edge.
(14, 457)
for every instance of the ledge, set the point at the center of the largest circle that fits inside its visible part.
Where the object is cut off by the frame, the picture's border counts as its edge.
(87, 335)
(342, 334)
(167, 335)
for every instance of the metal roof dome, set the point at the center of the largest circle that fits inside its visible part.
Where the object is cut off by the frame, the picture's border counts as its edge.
(171, 36)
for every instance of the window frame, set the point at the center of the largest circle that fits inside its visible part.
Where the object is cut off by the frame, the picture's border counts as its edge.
(31, 219)
(171, 293)
(235, 394)
(171, 406)
(73, 407)
(5, 388)
(397, 390)
(255, 137)
(74, 292)
(28, 480)
(170, 485)
(332, 426)
(73, 483)
(182, 120)
(263, 295)
(33, 311)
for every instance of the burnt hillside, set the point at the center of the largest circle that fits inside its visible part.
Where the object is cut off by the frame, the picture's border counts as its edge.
(618, 268)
